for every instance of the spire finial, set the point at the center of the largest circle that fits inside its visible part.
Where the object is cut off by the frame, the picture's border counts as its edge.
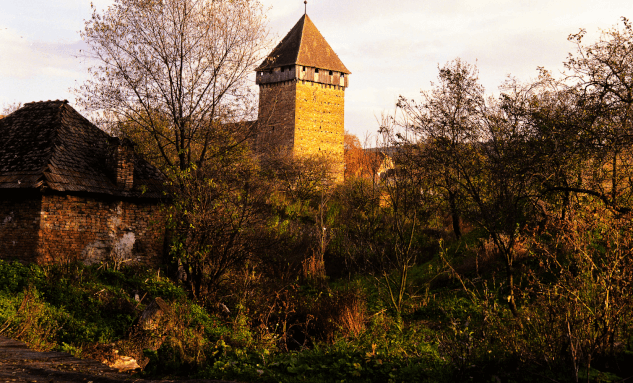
(305, 4)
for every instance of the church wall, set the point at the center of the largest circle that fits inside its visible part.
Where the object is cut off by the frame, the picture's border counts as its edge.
(276, 116)
(19, 224)
(320, 122)
(91, 229)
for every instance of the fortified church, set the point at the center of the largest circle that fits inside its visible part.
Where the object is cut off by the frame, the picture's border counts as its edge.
(302, 97)
(70, 191)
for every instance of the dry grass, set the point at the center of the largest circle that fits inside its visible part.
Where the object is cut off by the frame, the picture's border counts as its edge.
(352, 316)
(313, 269)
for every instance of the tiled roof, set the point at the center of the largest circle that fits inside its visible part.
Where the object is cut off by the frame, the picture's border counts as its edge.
(388, 151)
(48, 144)
(304, 45)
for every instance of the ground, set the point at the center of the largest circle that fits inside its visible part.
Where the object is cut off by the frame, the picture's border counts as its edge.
(21, 365)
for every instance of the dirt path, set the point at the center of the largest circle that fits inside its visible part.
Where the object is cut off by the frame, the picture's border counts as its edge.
(18, 363)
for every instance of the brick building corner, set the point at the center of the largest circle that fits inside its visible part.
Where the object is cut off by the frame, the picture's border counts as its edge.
(70, 191)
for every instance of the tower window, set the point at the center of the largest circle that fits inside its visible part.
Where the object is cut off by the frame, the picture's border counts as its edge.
(342, 75)
(316, 70)
(282, 69)
(304, 69)
(330, 73)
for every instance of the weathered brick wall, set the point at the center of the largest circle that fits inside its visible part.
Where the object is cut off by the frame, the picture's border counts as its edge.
(320, 122)
(124, 167)
(91, 229)
(276, 116)
(19, 225)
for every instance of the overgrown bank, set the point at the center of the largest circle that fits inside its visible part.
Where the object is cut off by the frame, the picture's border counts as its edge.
(88, 311)
(498, 246)
(453, 323)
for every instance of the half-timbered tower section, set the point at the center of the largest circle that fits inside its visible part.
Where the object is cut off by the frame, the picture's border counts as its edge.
(302, 97)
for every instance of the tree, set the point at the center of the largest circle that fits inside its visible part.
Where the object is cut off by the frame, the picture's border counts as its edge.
(443, 126)
(218, 221)
(174, 72)
(580, 126)
(603, 75)
(353, 154)
(476, 155)
(10, 108)
(172, 77)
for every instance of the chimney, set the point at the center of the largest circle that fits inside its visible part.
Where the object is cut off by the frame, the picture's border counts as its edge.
(124, 170)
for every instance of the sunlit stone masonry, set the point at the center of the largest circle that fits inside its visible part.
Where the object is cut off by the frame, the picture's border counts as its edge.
(302, 97)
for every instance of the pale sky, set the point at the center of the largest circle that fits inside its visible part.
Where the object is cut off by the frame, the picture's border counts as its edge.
(391, 47)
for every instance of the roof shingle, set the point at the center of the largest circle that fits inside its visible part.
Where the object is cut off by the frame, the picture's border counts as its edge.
(304, 45)
(49, 144)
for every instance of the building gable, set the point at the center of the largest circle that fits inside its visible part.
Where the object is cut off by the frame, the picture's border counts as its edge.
(50, 145)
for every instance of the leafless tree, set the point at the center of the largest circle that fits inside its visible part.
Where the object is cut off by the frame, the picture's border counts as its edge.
(10, 108)
(443, 126)
(174, 72)
(602, 74)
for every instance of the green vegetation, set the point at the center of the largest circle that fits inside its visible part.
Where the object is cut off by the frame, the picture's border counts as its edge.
(53, 306)
(454, 321)
(499, 247)
(78, 308)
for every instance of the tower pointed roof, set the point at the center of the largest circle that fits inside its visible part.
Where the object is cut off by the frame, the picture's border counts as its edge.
(304, 45)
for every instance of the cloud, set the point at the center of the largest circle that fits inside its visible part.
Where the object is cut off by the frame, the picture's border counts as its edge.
(28, 59)
(392, 48)
(397, 47)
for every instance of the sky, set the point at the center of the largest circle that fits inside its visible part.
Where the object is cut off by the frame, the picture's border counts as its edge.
(392, 48)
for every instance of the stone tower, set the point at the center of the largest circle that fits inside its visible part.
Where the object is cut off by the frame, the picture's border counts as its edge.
(301, 97)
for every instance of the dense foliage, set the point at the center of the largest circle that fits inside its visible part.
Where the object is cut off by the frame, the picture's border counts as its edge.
(494, 245)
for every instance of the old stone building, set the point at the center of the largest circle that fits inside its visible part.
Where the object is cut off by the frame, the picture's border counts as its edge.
(68, 190)
(302, 97)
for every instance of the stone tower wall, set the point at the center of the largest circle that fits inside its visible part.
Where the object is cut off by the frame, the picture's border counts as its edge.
(319, 122)
(276, 116)
(304, 117)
